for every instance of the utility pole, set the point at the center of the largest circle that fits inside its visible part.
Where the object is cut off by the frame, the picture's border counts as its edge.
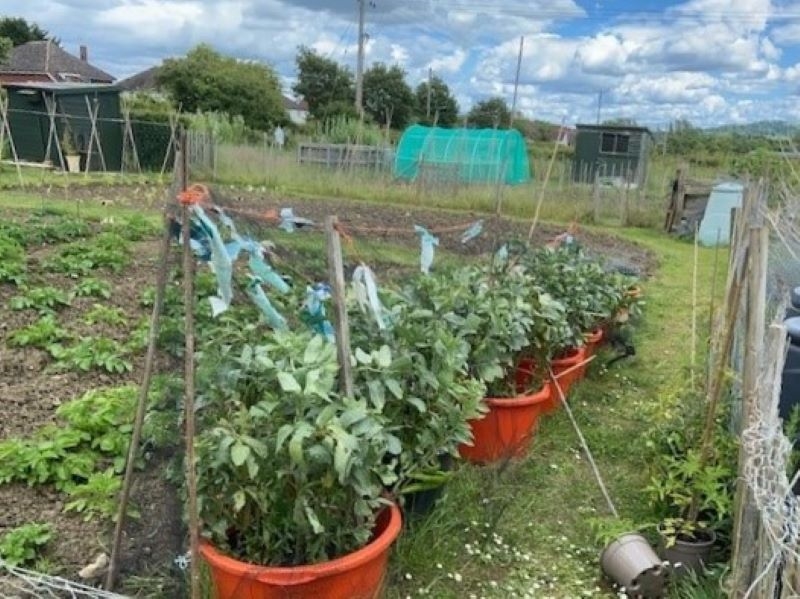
(516, 80)
(428, 109)
(599, 104)
(360, 59)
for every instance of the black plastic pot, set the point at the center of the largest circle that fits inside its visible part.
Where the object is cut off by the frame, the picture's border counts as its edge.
(689, 555)
(421, 503)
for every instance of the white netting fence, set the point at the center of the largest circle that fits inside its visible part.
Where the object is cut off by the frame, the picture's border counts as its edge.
(768, 466)
(769, 455)
(21, 583)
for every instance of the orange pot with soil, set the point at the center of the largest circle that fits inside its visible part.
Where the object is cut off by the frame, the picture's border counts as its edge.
(593, 341)
(357, 575)
(507, 429)
(568, 370)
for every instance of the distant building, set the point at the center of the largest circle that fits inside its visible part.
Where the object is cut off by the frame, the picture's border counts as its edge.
(297, 110)
(30, 105)
(46, 61)
(144, 81)
(616, 152)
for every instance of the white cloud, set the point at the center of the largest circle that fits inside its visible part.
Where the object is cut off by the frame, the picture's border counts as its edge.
(707, 60)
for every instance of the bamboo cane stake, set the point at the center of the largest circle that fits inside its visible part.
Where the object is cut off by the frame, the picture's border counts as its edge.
(188, 299)
(540, 201)
(693, 349)
(141, 406)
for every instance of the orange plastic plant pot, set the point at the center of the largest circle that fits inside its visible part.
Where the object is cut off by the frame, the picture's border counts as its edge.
(507, 429)
(565, 369)
(593, 341)
(357, 575)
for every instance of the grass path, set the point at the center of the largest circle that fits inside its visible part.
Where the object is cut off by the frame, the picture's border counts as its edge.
(522, 530)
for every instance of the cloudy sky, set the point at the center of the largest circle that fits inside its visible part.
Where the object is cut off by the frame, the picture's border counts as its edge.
(709, 61)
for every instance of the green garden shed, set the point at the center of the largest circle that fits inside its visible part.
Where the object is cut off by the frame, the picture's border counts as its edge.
(462, 155)
(35, 107)
(616, 152)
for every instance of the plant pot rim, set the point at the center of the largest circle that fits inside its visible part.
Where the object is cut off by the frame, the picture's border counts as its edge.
(595, 335)
(519, 401)
(712, 538)
(572, 355)
(620, 537)
(299, 575)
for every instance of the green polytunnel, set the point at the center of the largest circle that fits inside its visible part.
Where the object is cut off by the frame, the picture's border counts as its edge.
(462, 155)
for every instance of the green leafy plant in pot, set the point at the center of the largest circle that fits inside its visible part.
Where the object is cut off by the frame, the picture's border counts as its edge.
(424, 392)
(489, 308)
(290, 473)
(692, 495)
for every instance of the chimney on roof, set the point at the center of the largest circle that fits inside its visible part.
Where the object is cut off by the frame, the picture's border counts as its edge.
(84, 54)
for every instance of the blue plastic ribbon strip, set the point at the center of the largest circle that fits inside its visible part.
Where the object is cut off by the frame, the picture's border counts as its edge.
(472, 232)
(220, 263)
(268, 311)
(428, 242)
(314, 310)
(366, 290)
(290, 222)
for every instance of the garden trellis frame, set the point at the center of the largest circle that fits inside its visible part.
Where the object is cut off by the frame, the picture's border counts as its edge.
(5, 130)
(93, 109)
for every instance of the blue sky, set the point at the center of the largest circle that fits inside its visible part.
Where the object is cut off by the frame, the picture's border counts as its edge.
(708, 61)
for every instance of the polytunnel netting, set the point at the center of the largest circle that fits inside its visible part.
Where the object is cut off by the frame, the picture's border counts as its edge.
(462, 155)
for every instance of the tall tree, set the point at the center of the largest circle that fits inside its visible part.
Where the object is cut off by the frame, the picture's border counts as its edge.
(443, 105)
(387, 97)
(489, 114)
(325, 85)
(19, 31)
(208, 81)
(5, 48)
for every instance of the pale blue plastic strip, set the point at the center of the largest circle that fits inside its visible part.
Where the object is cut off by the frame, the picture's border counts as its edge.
(366, 291)
(472, 232)
(268, 311)
(315, 308)
(428, 242)
(221, 263)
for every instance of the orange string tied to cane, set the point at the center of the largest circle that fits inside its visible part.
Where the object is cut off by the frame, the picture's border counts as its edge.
(196, 194)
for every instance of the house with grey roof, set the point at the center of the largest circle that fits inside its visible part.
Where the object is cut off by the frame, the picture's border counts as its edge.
(46, 61)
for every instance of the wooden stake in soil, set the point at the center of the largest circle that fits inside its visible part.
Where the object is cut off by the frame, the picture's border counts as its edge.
(746, 521)
(544, 183)
(336, 277)
(141, 406)
(693, 350)
(188, 301)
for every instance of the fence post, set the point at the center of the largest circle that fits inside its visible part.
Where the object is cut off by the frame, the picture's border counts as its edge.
(745, 523)
(596, 197)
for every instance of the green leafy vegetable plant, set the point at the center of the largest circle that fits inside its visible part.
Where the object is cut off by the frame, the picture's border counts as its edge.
(42, 333)
(12, 262)
(91, 287)
(289, 472)
(100, 314)
(97, 496)
(23, 545)
(91, 353)
(43, 299)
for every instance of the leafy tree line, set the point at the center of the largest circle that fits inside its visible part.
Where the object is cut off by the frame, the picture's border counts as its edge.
(329, 89)
(15, 32)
